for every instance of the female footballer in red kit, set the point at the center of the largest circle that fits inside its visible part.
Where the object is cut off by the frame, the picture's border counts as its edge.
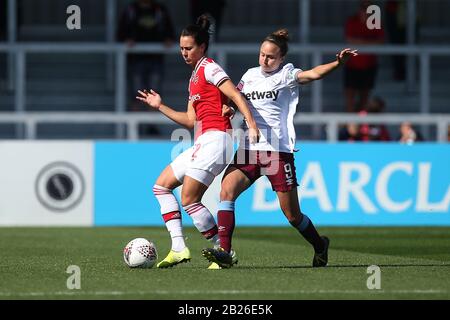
(195, 169)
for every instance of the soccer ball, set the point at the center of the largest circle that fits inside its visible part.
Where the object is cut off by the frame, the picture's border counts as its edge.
(140, 253)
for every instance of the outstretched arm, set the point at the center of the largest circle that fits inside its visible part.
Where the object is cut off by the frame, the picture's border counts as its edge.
(322, 70)
(228, 89)
(153, 99)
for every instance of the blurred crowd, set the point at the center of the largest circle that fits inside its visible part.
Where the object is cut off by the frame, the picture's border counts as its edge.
(149, 21)
(360, 74)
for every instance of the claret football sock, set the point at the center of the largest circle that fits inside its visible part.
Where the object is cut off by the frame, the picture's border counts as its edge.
(309, 232)
(225, 219)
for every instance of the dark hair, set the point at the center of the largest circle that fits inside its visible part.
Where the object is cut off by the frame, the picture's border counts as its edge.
(199, 31)
(279, 38)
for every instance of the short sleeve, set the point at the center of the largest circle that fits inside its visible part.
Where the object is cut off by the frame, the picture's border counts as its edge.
(289, 75)
(241, 84)
(214, 74)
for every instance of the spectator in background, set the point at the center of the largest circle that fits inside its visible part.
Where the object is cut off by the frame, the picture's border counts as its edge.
(374, 132)
(145, 21)
(360, 72)
(350, 133)
(408, 134)
(214, 8)
(367, 132)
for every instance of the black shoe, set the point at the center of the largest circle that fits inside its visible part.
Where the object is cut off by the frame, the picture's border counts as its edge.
(219, 256)
(321, 259)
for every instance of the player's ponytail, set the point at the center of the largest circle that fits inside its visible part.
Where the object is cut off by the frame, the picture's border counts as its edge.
(279, 38)
(204, 22)
(200, 31)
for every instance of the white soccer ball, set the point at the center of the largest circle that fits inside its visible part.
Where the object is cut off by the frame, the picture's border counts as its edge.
(140, 253)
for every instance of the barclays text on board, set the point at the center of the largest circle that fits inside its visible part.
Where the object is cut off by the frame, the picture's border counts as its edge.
(339, 184)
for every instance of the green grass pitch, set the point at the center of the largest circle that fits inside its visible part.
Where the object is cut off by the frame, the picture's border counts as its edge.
(274, 263)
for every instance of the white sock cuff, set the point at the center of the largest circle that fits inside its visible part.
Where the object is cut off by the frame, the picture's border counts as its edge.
(166, 199)
(158, 188)
(225, 206)
(193, 208)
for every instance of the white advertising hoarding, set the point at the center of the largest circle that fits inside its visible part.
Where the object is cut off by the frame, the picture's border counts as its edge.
(46, 183)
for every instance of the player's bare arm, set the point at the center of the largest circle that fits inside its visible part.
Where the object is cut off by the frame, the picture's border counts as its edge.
(322, 70)
(228, 89)
(153, 99)
(228, 111)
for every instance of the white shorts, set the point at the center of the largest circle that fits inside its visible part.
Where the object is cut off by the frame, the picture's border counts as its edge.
(206, 159)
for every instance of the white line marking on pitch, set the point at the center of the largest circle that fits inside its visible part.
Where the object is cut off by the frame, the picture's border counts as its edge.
(225, 292)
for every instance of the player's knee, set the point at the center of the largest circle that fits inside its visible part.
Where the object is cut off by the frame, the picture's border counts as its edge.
(185, 201)
(227, 194)
(188, 199)
(294, 222)
(294, 219)
(160, 190)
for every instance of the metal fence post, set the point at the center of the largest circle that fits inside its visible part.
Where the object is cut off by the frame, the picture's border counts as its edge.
(120, 94)
(316, 95)
(410, 40)
(304, 27)
(425, 89)
(20, 93)
(110, 37)
(332, 130)
(12, 37)
(222, 58)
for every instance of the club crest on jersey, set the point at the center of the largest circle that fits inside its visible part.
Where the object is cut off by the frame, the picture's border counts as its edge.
(194, 79)
(291, 75)
(240, 85)
(265, 95)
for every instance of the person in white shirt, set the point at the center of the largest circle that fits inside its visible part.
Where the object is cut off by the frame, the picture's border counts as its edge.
(272, 91)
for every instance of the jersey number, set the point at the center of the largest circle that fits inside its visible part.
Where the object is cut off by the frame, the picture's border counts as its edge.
(288, 173)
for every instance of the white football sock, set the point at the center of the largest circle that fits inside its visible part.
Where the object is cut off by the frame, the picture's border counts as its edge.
(203, 220)
(170, 211)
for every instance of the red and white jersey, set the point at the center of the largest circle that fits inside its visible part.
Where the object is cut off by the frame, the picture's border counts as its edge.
(272, 99)
(206, 97)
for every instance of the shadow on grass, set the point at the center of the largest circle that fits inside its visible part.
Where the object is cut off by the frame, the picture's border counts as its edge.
(348, 266)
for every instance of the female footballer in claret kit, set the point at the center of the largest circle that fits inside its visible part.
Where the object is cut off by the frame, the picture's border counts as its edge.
(272, 90)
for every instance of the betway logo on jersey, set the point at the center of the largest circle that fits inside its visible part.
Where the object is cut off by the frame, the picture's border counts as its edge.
(256, 95)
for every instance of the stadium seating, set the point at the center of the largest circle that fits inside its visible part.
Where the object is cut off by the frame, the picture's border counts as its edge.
(79, 82)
